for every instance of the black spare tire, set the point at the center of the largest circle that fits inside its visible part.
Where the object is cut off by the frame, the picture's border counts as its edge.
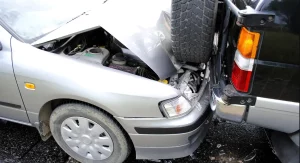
(192, 29)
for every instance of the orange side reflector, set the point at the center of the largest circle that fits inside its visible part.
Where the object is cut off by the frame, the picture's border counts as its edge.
(248, 43)
(30, 86)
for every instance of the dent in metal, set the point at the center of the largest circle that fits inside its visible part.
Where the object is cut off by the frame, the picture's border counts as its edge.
(145, 30)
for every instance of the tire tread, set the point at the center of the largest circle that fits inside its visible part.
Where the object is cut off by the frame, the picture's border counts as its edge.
(192, 29)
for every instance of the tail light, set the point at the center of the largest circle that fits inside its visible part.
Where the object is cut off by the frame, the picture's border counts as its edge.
(244, 60)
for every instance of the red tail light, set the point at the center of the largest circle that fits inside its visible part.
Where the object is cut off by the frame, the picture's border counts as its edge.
(240, 78)
(244, 60)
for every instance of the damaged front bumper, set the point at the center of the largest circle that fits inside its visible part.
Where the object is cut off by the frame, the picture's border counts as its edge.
(172, 137)
(166, 138)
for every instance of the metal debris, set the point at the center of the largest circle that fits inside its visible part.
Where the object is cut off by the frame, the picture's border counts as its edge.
(155, 160)
(193, 156)
(222, 152)
(212, 158)
(250, 156)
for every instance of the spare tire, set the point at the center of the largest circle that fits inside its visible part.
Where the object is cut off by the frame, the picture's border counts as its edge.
(192, 29)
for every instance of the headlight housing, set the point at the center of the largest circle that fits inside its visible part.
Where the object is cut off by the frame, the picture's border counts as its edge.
(176, 107)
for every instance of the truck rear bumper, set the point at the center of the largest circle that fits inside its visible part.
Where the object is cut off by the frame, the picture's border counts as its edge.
(269, 113)
(232, 112)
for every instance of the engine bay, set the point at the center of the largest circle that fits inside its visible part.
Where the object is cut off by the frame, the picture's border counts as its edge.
(99, 47)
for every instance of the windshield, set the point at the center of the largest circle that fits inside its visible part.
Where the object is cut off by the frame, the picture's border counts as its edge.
(31, 19)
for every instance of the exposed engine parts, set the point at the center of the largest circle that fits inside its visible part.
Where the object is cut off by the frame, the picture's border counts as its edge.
(188, 82)
(95, 54)
(99, 47)
(118, 59)
(128, 64)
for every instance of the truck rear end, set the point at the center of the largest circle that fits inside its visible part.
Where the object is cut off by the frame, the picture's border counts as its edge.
(256, 67)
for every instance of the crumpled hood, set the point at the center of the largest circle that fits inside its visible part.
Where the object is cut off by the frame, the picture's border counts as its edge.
(143, 26)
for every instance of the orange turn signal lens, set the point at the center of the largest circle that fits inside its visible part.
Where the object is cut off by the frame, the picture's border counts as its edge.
(30, 86)
(248, 42)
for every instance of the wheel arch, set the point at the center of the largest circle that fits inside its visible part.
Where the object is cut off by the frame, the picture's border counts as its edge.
(47, 109)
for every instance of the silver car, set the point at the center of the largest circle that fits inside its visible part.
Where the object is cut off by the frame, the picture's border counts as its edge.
(103, 81)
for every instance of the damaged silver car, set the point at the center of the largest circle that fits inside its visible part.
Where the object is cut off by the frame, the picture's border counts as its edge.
(109, 81)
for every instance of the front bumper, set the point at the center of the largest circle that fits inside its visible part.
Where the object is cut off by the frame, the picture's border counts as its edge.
(164, 138)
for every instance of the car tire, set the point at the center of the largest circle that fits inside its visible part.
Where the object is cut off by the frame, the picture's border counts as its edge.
(68, 113)
(192, 29)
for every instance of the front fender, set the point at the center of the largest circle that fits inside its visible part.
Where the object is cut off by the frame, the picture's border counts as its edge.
(55, 76)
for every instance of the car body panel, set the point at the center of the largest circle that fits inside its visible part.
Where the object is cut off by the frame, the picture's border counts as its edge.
(11, 104)
(145, 30)
(33, 19)
(61, 77)
(275, 114)
(278, 62)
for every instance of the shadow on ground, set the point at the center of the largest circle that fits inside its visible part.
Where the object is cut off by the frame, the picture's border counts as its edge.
(225, 142)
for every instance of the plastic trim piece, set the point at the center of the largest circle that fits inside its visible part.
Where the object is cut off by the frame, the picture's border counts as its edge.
(10, 105)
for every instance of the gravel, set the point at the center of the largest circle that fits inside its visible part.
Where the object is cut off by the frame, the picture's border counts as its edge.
(225, 142)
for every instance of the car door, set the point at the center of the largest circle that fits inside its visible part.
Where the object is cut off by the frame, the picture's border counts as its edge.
(11, 104)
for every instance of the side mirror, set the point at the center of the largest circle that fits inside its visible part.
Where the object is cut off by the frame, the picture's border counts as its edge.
(0, 46)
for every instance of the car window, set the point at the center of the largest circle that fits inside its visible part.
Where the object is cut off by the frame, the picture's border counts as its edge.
(31, 19)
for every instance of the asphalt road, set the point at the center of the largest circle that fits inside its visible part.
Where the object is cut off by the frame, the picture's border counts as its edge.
(225, 142)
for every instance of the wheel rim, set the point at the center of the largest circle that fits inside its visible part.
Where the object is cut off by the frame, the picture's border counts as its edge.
(87, 138)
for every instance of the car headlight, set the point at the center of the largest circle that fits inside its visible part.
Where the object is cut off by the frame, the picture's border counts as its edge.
(176, 107)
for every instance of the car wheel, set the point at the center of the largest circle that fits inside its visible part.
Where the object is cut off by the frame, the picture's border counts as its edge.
(192, 29)
(88, 135)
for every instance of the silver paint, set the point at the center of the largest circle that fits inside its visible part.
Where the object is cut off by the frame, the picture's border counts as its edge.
(61, 77)
(9, 92)
(274, 114)
(145, 30)
(164, 146)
